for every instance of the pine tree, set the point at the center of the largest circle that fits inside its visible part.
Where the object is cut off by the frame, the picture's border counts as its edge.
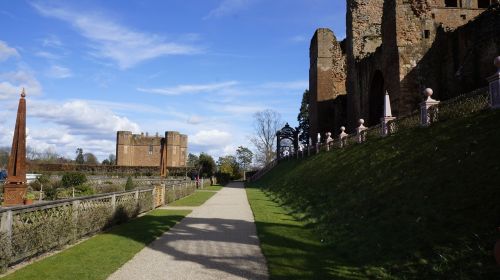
(303, 118)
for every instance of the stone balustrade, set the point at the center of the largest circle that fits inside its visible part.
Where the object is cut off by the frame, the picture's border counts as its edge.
(27, 231)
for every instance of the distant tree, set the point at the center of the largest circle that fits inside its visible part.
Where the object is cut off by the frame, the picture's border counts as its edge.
(244, 156)
(229, 165)
(266, 124)
(303, 118)
(105, 162)
(193, 160)
(32, 154)
(79, 156)
(4, 157)
(90, 158)
(112, 159)
(207, 165)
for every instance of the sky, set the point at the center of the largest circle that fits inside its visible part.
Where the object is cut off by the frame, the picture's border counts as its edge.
(200, 67)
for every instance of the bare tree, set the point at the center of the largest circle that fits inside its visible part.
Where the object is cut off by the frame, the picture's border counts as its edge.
(266, 124)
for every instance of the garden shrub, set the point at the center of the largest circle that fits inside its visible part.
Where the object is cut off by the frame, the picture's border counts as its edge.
(73, 179)
(130, 184)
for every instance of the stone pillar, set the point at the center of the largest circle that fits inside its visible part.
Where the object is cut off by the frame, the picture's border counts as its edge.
(495, 86)
(360, 135)
(387, 115)
(425, 113)
(342, 136)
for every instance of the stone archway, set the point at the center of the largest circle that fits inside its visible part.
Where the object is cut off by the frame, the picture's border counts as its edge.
(376, 99)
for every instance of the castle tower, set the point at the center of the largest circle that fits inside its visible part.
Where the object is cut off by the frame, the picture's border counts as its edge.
(326, 81)
(15, 186)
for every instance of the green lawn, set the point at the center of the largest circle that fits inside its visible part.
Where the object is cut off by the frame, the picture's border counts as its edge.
(292, 249)
(421, 204)
(213, 188)
(196, 199)
(101, 255)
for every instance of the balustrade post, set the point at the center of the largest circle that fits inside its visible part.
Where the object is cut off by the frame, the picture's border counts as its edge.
(495, 86)
(113, 202)
(153, 202)
(136, 196)
(425, 112)
(75, 207)
(360, 134)
(342, 137)
(164, 195)
(6, 229)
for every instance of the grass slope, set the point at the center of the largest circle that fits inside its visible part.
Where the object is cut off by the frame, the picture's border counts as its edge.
(421, 204)
(195, 199)
(213, 188)
(101, 255)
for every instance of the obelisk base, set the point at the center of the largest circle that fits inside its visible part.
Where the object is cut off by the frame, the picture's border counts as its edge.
(13, 194)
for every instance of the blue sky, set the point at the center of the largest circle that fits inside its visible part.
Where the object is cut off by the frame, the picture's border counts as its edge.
(200, 67)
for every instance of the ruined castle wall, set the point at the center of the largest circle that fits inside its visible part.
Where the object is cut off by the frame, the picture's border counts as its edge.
(327, 77)
(364, 36)
(461, 59)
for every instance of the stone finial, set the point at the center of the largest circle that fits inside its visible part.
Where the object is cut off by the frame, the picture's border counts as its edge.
(23, 93)
(428, 92)
(342, 132)
(359, 131)
(496, 62)
(342, 136)
(426, 117)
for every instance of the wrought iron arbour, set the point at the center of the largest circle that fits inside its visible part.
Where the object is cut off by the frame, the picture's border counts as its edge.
(288, 134)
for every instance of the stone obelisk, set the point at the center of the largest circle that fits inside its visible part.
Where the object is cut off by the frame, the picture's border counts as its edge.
(15, 186)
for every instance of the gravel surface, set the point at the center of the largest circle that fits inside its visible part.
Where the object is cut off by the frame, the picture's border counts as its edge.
(217, 240)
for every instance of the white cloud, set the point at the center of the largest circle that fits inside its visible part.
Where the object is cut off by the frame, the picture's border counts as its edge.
(211, 138)
(292, 85)
(52, 41)
(299, 39)
(47, 55)
(227, 7)
(111, 40)
(6, 51)
(59, 72)
(11, 84)
(186, 89)
(194, 119)
(81, 118)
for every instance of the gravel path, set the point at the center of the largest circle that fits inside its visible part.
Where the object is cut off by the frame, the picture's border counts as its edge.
(217, 240)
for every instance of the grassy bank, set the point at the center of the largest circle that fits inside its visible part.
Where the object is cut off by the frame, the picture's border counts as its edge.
(421, 204)
(195, 199)
(101, 255)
